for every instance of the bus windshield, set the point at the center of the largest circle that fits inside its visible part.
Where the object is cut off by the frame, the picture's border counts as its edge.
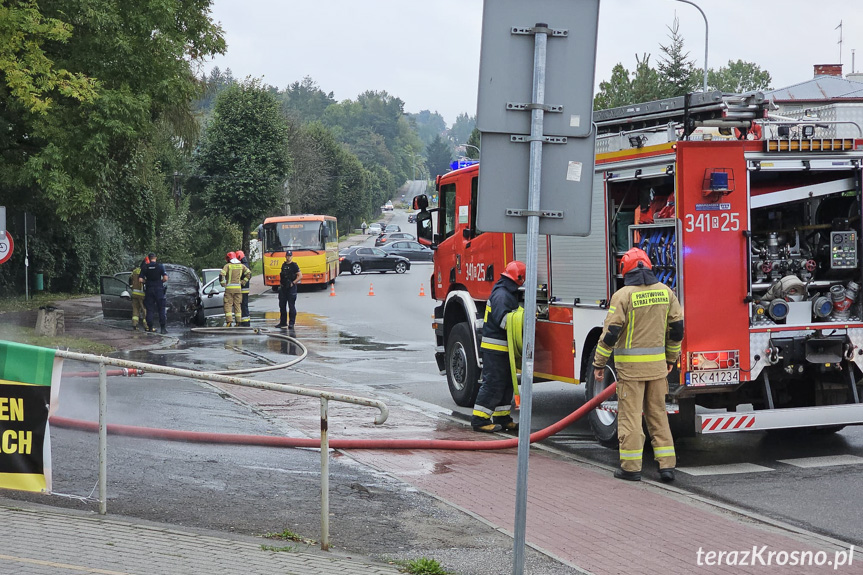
(300, 235)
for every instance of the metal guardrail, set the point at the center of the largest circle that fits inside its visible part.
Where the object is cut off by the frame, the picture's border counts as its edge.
(324, 396)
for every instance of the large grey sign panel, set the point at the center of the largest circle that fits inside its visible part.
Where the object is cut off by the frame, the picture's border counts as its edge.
(506, 65)
(566, 185)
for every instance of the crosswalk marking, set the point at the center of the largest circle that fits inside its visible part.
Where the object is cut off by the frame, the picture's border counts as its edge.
(727, 469)
(825, 461)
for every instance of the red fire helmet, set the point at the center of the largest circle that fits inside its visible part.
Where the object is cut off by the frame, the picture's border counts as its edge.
(515, 271)
(632, 258)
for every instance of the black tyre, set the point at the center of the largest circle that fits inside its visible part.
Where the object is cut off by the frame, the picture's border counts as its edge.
(603, 422)
(462, 371)
(275, 288)
(401, 267)
(356, 268)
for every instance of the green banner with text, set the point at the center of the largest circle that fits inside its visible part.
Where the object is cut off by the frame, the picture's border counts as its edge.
(29, 385)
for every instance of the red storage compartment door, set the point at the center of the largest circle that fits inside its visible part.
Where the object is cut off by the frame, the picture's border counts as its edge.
(713, 211)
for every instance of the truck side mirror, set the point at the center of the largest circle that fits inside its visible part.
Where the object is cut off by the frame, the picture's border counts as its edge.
(421, 202)
(424, 228)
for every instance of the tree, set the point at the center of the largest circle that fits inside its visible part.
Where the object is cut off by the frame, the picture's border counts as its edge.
(245, 155)
(306, 100)
(614, 92)
(439, 157)
(647, 85)
(428, 125)
(473, 145)
(462, 128)
(677, 74)
(739, 77)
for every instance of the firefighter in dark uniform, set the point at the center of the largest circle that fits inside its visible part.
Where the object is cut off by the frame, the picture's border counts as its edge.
(155, 277)
(289, 277)
(491, 412)
(246, 319)
(643, 328)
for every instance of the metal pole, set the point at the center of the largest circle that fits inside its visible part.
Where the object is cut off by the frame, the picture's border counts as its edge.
(705, 37)
(103, 439)
(26, 263)
(529, 298)
(325, 478)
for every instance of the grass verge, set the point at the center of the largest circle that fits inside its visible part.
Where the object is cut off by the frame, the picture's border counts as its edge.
(421, 566)
(37, 300)
(27, 335)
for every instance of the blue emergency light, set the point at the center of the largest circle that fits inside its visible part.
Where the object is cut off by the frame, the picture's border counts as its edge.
(462, 163)
(719, 181)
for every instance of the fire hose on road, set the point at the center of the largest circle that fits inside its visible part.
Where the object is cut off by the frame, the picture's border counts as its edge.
(263, 440)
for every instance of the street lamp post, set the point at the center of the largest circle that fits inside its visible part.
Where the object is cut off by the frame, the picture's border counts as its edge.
(468, 146)
(705, 37)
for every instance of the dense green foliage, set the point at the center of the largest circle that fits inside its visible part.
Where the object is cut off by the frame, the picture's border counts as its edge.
(439, 157)
(90, 149)
(244, 156)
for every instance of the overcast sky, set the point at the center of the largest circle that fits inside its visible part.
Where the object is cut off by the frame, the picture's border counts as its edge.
(427, 53)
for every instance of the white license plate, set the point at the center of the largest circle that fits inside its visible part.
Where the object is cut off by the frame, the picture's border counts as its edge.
(713, 377)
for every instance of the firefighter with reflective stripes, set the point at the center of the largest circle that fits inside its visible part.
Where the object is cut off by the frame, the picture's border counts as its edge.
(246, 320)
(493, 406)
(231, 278)
(644, 328)
(139, 312)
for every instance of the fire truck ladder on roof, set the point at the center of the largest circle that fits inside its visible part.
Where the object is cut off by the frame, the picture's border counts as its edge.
(709, 109)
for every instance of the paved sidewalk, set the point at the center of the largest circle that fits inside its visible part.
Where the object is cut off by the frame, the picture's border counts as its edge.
(578, 513)
(38, 540)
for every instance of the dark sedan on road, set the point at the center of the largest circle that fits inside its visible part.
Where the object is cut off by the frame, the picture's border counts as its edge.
(387, 237)
(414, 251)
(361, 259)
(186, 298)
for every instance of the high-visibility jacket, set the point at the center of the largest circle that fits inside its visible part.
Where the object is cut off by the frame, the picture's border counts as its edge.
(245, 283)
(136, 283)
(503, 299)
(643, 328)
(233, 275)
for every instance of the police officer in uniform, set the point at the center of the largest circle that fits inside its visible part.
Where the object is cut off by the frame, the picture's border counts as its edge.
(644, 328)
(155, 277)
(491, 412)
(289, 278)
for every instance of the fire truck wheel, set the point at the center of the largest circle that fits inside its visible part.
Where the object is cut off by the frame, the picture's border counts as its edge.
(603, 422)
(275, 288)
(462, 371)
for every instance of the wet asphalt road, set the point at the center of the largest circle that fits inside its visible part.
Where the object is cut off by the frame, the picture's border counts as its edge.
(383, 342)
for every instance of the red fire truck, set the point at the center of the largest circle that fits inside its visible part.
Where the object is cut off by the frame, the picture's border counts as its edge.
(754, 221)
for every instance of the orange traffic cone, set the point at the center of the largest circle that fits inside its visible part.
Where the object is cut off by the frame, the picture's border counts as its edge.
(422, 291)
(371, 289)
(332, 289)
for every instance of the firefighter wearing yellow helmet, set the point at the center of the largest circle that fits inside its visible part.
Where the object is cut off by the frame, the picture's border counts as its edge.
(643, 328)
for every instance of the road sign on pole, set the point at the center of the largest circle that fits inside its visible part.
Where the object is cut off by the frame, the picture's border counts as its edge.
(6, 247)
(506, 105)
(537, 62)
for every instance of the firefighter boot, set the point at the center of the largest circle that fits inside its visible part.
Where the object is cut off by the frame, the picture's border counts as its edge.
(667, 475)
(163, 331)
(487, 428)
(627, 475)
(507, 424)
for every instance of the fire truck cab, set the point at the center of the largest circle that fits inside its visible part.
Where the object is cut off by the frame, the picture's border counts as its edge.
(754, 221)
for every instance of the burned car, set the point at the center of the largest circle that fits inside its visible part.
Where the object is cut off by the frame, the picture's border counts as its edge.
(187, 299)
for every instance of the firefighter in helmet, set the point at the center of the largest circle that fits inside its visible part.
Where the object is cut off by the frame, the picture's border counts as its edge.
(491, 411)
(139, 312)
(246, 320)
(231, 278)
(643, 328)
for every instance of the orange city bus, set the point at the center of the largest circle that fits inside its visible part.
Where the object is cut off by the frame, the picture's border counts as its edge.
(314, 241)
